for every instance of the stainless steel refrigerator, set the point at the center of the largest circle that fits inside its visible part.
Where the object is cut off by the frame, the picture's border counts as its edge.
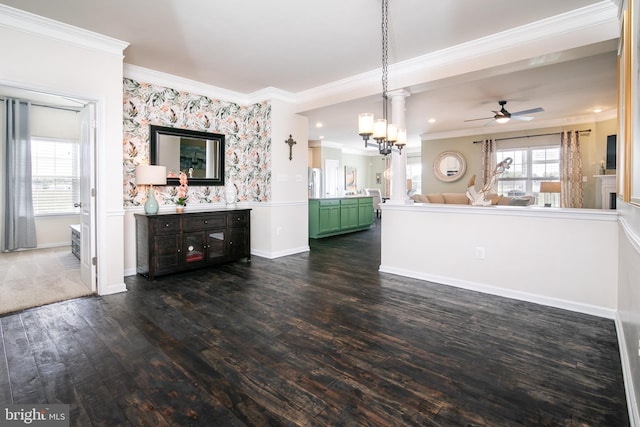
(316, 184)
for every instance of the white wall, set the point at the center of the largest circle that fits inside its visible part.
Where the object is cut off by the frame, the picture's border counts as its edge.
(39, 54)
(565, 258)
(285, 230)
(628, 320)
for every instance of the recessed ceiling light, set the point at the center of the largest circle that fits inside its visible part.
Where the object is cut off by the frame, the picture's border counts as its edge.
(321, 137)
(432, 120)
(318, 125)
(597, 110)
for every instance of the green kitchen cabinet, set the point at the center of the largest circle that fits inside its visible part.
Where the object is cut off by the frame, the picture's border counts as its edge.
(332, 216)
(365, 211)
(348, 213)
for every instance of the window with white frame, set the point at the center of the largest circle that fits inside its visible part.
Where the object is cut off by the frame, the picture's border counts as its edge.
(530, 167)
(414, 173)
(55, 176)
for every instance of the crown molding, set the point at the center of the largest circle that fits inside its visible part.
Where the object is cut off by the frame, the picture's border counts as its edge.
(176, 82)
(44, 27)
(271, 93)
(590, 24)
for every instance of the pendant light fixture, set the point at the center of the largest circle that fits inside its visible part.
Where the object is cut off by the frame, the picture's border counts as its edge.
(386, 134)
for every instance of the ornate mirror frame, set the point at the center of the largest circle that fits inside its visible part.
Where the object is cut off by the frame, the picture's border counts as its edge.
(449, 175)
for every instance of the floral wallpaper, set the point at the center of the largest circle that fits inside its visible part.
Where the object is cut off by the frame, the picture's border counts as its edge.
(247, 131)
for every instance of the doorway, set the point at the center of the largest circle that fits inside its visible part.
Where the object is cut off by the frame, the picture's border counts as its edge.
(331, 184)
(51, 272)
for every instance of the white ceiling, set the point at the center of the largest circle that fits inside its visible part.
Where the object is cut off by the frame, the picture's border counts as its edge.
(302, 47)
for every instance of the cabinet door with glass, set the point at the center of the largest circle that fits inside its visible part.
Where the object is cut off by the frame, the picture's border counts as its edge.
(216, 244)
(194, 246)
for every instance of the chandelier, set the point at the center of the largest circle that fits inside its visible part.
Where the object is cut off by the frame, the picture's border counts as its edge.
(386, 134)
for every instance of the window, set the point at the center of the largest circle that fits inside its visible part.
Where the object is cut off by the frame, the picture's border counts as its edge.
(55, 176)
(530, 167)
(414, 173)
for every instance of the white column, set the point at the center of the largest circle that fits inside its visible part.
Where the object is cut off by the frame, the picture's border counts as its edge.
(398, 160)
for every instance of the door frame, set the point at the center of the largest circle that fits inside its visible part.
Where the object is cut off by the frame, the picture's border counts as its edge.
(98, 107)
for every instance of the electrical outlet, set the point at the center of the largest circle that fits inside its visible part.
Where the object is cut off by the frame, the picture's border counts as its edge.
(479, 252)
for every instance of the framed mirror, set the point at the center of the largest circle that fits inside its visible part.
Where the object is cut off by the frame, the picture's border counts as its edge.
(198, 154)
(449, 166)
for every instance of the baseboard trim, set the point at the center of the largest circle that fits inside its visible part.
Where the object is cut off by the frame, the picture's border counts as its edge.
(273, 255)
(492, 290)
(113, 289)
(629, 389)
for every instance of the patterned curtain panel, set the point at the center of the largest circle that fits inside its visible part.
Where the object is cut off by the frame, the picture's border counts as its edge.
(570, 170)
(488, 161)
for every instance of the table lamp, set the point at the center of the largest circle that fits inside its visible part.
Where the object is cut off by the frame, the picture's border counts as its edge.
(151, 175)
(549, 187)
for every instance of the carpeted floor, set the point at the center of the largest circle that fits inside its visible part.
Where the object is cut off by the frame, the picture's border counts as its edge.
(38, 277)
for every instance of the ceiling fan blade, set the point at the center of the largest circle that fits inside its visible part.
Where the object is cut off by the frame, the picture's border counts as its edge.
(531, 111)
(524, 118)
(474, 120)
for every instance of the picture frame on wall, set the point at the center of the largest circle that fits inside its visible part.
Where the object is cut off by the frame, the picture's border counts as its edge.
(350, 179)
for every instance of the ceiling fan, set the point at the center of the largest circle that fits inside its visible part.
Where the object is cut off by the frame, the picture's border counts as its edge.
(503, 116)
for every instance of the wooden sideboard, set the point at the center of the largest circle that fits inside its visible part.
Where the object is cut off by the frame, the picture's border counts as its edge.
(169, 243)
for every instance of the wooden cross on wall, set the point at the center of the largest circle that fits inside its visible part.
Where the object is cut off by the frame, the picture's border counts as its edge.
(291, 143)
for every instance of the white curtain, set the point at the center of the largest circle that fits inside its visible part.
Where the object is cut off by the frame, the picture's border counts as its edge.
(19, 229)
(489, 161)
(570, 170)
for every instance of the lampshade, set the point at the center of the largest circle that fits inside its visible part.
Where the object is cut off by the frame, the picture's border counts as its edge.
(151, 175)
(392, 132)
(365, 124)
(380, 129)
(550, 187)
(402, 138)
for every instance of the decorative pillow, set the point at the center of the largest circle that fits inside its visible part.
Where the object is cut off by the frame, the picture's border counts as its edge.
(436, 198)
(522, 201)
(493, 197)
(420, 198)
(455, 198)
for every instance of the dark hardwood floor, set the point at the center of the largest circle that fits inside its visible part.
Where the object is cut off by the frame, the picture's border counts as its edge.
(315, 339)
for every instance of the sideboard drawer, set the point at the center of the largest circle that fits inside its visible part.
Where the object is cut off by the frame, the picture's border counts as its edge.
(203, 222)
(166, 226)
(238, 219)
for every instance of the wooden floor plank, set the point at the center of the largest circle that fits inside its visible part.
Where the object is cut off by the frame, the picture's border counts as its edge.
(313, 339)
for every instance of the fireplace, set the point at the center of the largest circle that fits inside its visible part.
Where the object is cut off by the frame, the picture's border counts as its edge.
(607, 191)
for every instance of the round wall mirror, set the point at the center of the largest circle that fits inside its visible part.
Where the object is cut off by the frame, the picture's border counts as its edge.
(449, 166)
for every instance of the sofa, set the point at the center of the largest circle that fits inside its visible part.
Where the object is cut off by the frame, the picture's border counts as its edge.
(442, 198)
(462, 199)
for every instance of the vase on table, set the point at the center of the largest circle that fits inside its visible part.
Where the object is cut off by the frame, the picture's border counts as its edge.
(230, 194)
(179, 209)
